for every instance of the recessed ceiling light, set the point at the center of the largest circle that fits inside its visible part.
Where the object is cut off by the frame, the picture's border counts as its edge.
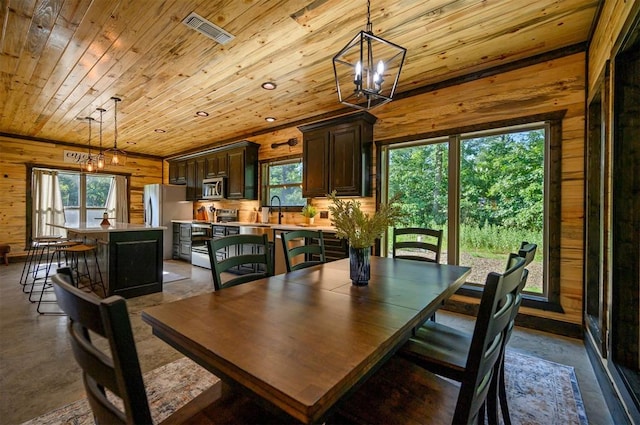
(269, 85)
(202, 114)
(159, 130)
(270, 119)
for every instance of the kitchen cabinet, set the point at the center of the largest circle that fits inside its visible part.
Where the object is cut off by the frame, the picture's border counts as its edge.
(238, 162)
(216, 165)
(182, 241)
(195, 175)
(178, 172)
(242, 182)
(337, 156)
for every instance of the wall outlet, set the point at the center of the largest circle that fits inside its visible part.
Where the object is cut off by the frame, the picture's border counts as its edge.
(324, 214)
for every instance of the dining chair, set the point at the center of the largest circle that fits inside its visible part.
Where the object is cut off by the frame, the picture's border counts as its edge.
(251, 252)
(417, 243)
(445, 350)
(402, 391)
(313, 247)
(114, 366)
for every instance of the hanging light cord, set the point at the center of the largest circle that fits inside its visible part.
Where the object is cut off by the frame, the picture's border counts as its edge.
(369, 25)
(115, 122)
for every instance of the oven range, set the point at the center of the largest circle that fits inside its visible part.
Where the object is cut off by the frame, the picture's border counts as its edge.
(201, 232)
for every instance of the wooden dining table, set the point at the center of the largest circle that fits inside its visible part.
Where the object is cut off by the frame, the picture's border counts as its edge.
(303, 340)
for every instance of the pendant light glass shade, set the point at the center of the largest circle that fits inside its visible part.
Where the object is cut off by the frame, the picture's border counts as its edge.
(100, 157)
(116, 156)
(89, 165)
(367, 69)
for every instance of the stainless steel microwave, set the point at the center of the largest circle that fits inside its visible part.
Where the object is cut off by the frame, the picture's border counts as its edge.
(213, 188)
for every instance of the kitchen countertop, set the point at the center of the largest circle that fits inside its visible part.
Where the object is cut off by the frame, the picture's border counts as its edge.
(274, 226)
(115, 227)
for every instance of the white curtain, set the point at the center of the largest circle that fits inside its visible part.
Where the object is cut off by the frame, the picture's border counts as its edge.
(46, 204)
(117, 199)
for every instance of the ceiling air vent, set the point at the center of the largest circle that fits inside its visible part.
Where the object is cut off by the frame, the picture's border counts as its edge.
(207, 28)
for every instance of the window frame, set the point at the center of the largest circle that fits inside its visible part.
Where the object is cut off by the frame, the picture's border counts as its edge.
(553, 181)
(28, 194)
(264, 188)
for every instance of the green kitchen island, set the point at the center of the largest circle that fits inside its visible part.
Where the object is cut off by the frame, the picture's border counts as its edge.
(129, 256)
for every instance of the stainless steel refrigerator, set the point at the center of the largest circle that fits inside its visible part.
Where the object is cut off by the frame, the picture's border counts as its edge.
(163, 203)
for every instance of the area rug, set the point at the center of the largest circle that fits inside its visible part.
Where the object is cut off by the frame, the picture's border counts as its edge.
(168, 277)
(540, 392)
(169, 387)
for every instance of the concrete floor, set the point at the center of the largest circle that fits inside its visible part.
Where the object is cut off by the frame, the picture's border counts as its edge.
(38, 372)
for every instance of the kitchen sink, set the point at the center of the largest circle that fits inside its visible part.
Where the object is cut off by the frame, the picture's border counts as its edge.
(257, 230)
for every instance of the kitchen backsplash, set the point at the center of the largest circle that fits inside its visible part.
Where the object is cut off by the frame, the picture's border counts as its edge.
(248, 210)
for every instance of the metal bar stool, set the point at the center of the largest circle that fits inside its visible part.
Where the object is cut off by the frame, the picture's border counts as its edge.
(59, 249)
(82, 249)
(37, 249)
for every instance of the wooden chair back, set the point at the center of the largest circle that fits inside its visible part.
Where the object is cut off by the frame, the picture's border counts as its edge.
(117, 370)
(313, 246)
(417, 243)
(251, 251)
(494, 315)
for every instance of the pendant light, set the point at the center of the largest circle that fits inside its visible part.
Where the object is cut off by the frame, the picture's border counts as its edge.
(89, 164)
(367, 69)
(118, 156)
(100, 157)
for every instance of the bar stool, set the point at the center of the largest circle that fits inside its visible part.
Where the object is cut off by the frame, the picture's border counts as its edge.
(75, 252)
(50, 250)
(37, 249)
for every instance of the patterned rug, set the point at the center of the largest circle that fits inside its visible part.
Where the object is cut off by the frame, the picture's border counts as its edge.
(540, 392)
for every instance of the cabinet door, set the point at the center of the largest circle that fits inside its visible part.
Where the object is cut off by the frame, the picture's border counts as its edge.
(185, 232)
(211, 166)
(315, 178)
(177, 172)
(216, 165)
(222, 165)
(191, 180)
(235, 183)
(200, 166)
(346, 160)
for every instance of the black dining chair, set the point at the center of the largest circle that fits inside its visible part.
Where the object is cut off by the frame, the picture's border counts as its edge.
(312, 250)
(245, 253)
(417, 243)
(402, 391)
(445, 350)
(117, 369)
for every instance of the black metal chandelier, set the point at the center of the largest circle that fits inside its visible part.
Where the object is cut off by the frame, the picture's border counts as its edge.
(367, 69)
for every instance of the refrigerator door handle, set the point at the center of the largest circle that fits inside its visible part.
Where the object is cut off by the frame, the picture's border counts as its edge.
(150, 212)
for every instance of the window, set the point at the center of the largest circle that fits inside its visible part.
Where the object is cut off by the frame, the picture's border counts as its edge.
(488, 191)
(85, 197)
(283, 178)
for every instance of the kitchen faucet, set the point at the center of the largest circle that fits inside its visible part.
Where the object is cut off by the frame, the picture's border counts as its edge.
(279, 207)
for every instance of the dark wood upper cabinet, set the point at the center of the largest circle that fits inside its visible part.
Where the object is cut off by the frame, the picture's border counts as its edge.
(178, 172)
(237, 162)
(216, 165)
(337, 156)
(242, 181)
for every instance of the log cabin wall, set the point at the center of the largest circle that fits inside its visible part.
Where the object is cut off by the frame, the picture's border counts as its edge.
(18, 153)
(545, 87)
(550, 86)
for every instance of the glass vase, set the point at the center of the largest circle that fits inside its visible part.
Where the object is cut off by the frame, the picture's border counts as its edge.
(359, 265)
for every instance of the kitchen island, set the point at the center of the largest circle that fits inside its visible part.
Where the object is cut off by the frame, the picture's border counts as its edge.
(129, 256)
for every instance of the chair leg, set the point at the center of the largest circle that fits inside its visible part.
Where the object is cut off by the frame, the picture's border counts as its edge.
(502, 393)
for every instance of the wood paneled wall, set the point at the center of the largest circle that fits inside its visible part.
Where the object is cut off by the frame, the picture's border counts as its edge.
(613, 16)
(17, 154)
(550, 86)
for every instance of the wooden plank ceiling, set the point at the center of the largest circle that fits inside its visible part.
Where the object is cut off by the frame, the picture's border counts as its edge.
(62, 59)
